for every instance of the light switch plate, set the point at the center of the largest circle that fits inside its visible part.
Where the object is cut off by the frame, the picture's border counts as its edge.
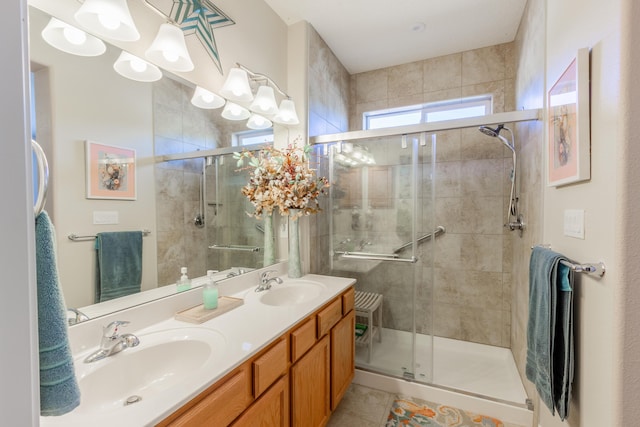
(105, 217)
(574, 223)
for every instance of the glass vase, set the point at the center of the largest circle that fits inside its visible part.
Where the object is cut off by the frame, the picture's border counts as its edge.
(269, 241)
(295, 267)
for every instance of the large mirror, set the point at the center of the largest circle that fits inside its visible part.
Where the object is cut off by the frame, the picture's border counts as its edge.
(192, 208)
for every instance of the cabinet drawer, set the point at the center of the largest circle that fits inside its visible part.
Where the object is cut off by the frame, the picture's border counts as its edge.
(269, 367)
(221, 406)
(329, 316)
(348, 301)
(303, 338)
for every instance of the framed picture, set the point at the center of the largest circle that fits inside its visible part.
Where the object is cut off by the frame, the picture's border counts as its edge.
(569, 140)
(111, 172)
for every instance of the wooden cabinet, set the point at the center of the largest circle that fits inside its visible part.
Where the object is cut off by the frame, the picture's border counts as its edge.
(297, 380)
(271, 410)
(342, 357)
(310, 383)
(217, 406)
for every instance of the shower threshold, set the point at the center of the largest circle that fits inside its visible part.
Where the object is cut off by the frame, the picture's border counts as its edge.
(478, 369)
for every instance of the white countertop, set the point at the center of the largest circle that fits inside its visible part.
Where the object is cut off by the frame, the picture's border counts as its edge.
(246, 330)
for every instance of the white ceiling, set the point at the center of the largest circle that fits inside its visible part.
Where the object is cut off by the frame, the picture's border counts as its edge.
(370, 34)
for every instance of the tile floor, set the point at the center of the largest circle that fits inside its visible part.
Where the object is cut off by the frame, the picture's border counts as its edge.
(362, 407)
(366, 407)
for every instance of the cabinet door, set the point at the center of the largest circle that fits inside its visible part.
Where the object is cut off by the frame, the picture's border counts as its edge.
(310, 394)
(342, 357)
(271, 410)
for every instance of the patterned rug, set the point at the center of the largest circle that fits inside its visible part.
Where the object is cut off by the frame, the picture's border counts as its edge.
(418, 413)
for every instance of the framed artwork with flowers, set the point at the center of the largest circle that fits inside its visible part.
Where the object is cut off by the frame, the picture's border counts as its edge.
(569, 141)
(111, 172)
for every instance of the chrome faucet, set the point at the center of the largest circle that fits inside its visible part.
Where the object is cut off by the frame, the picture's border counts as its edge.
(78, 316)
(112, 342)
(265, 280)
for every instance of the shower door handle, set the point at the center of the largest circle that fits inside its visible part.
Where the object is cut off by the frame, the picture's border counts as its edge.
(375, 257)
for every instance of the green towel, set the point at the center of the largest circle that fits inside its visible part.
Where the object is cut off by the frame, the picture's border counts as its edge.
(118, 265)
(59, 391)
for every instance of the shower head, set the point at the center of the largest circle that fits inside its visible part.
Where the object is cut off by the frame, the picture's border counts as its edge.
(490, 131)
(495, 133)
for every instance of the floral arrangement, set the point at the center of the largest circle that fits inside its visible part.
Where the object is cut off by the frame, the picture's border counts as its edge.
(281, 179)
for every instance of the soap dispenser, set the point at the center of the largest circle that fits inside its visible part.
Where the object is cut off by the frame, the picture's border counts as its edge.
(183, 283)
(210, 291)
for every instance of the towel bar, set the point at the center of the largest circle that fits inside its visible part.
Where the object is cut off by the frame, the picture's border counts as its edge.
(75, 237)
(590, 268)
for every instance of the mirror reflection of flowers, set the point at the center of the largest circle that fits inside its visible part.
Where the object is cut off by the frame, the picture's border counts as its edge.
(281, 179)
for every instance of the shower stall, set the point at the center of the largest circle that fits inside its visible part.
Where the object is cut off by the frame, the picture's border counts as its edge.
(417, 216)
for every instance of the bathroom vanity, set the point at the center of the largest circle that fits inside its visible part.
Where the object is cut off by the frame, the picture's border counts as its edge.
(285, 357)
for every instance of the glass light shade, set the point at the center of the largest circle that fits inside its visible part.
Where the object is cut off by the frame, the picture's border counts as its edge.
(265, 101)
(70, 39)
(287, 113)
(234, 111)
(203, 98)
(108, 18)
(134, 68)
(236, 87)
(169, 49)
(256, 121)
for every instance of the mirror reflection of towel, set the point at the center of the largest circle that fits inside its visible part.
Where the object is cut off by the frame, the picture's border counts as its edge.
(118, 264)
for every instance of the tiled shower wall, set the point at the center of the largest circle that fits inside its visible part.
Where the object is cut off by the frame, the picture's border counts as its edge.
(472, 261)
(180, 127)
(328, 113)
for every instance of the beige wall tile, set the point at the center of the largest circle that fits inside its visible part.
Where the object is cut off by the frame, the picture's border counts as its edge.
(481, 177)
(372, 86)
(405, 80)
(444, 72)
(495, 89)
(483, 65)
(481, 252)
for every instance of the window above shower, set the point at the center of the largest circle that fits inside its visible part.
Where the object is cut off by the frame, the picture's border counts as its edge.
(450, 109)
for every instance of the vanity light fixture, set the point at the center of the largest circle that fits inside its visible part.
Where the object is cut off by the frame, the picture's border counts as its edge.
(287, 113)
(233, 111)
(256, 121)
(236, 88)
(169, 49)
(70, 39)
(134, 68)
(265, 101)
(108, 18)
(203, 98)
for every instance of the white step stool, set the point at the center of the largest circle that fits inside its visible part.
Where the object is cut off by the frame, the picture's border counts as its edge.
(368, 304)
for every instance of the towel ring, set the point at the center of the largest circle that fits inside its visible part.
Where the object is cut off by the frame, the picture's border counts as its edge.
(43, 177)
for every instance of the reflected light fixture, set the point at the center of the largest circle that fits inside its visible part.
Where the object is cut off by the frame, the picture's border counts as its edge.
(108, 18)
(287, 113)
(256, 121)
(70, 39)
(236, 88)
(134, 68)
(169, 49)
(233, 111)
(203, 98)
(265, 101)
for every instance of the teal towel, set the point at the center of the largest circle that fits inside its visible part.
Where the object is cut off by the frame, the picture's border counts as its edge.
(59, 391)
(119, 264)
(550, 329)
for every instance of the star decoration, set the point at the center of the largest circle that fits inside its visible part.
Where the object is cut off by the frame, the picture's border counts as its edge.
(200, 17)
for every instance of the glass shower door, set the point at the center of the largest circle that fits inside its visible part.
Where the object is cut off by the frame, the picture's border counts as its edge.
(376, 207)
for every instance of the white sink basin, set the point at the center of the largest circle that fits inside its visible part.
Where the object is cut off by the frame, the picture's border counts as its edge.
(162, 361)
(291, 292)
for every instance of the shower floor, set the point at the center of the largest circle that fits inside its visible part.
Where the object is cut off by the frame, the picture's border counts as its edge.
(475, 368)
